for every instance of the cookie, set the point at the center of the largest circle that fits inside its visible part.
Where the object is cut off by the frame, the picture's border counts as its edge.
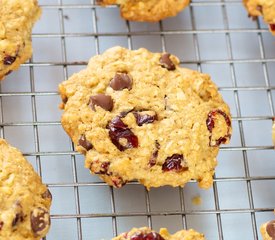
(146, 233)
(24, 200)
(268, 230)
(147, 10)
(138, 115)
(16, 21)
(265, 8)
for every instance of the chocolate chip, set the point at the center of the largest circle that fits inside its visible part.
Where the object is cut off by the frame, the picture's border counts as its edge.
(64, 99)
(83, 142)
(166, 62)
(101, 100)
(144, 118)
(8, 60)
(40, 221)
(47, 195)
(270, 229)
(121, 81)
(175, 162)
(1, 225)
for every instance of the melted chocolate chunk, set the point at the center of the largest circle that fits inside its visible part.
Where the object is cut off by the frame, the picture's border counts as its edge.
(147, 236)
(40, 220)
(166, 62)
(19, 217)
(119, 130)
(47, 194)
(101, 100)
(210, 123)
(1, 225)
(8, 60)
(270, 229)
(272, 26)
(121, 81)
(175, 163)
(83, 142)
(144, 118)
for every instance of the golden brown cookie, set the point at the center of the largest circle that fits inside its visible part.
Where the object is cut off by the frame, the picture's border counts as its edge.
(24, 200)
(137, 115)
(16, 21)
(146, 234)
(147, 10)
(265, 8)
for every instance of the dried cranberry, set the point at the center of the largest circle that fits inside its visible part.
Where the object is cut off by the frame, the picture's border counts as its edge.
(147, 236)
(144, 118)
(210, 123)
(118, 182)
(272, 26)
(119, 130)
(175, 163)
(8, 60)
(1, 225)
(153, 158)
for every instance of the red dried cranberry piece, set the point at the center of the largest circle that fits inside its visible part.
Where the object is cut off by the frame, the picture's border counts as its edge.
(210, 123)
(144, 118)
(166, 62)
(118, 181)
(272, 26)
(153, 158)
(8, 60)
(147, 236)
(175, 163)
(119, 130)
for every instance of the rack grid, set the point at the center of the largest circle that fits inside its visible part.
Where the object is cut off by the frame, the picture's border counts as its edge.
(213, 36)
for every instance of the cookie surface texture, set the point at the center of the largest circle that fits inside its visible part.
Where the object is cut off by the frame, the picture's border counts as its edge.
(16, 21)
(147, 10)
(146, 233)
(24, 200)
(264, 8)
(137, 115)
(268, 230)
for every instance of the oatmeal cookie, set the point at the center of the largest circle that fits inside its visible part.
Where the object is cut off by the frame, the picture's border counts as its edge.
(147, 10)
(138, 115)
(16, 21)
(24, 200)
(265, 8)
(146, 233)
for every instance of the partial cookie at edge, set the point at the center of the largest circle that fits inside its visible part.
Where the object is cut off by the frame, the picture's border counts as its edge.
(16, 21)
(265, 8)
(150, 10)
(24, 200)
(147, 233)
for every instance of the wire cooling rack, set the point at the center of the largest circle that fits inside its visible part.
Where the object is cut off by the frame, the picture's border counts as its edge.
(213, 36)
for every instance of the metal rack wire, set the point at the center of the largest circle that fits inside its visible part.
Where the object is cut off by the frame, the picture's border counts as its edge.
(86, 208)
